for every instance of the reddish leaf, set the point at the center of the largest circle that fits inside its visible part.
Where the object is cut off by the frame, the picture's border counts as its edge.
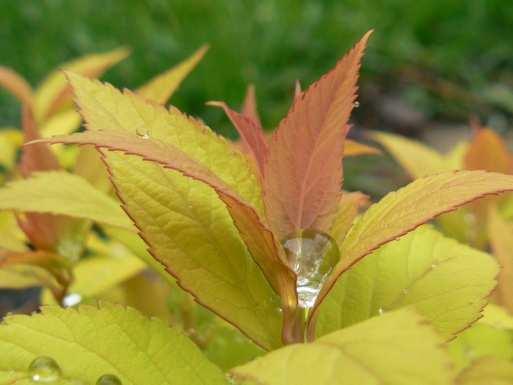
(249, 108)
(303, 176)
(251, 134)
(16, 85)
(42, 229)
(488, 152)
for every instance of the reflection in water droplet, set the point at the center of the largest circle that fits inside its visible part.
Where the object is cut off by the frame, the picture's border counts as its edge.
(72, 299)
(312, 255)
(44, 369)
(108, 379)
(356, 104)
(381, 311)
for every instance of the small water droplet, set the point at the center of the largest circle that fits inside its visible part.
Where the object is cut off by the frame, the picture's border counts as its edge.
(108, 379)
(44, 369)
(72, 299)
(312, 256)
(142, 134)
(381, 311)
(356, 104)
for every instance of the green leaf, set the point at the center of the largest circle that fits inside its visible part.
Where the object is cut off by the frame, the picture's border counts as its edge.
(90, 342)
(190, 231)
(403, 210)
(487, 371)
(398, 348)
(62, 193)
(447, 282)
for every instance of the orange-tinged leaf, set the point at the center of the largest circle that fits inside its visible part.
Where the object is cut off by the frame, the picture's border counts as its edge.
(16, 85)
(54, 93)
(353, 148)
(501, 239)
(303, 176)
(38, 157)
(487, 151)
(249, 107)
(401, 211)
(161, 87)
(252, 136)
(43, 230)
(260, 241)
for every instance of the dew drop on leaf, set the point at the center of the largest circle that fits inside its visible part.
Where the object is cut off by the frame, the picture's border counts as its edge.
(108, 379)
(142, 134)
(381, 311)
(312, 255)
(44, 370)
(72, 299)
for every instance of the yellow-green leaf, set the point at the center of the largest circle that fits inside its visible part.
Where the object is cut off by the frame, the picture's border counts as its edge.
(398, 348)
(10, 142)
(190, 231)
(54, 92)
(62, 193)
(403, 210)
(501, 239)
(89, 342)
(161, 88)
(416, 158)
(105, 108)
(447, 283)
(63, 123)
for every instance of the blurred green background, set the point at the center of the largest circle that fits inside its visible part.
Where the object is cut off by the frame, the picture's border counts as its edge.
(430, 65)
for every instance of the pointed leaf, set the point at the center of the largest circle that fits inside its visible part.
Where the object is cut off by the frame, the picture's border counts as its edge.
(89, 342)
(416, 158)
(190, 231)
(303, 176)
(249, 108)
(352, 148)
(252, 136)
(501, 239)
(62, 123)
(446, 282)
(16, 85)
(54, 92)
(487, 151)
(383, 350)
(348, 208)
(105, 108)
(62, 193)
(403, 210)
(161, 88)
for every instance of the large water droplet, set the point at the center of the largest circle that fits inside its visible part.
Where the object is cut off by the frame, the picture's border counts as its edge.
(108, 379)
(72, 299)
(312, 255)
(44, 369)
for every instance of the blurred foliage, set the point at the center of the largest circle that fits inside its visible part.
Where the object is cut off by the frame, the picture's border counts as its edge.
(446, 58)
